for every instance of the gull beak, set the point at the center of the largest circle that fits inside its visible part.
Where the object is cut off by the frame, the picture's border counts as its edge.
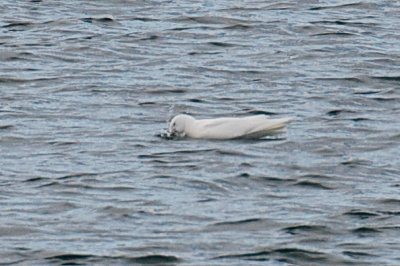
(174, 134)
(170, 134)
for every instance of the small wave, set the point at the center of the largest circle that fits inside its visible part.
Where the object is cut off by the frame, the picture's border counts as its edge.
(336, 112)
(145, 19)
(387, 78)
(355, 163)
(155, 259)
(318, 176)
(76, 175)
(346, 23)
(18, 80)
(222, 44)
(71, 259)
(336, 33)
(150, 38)
(259, 112)
(238, 27)
(81, 186)
(204, 185)
(36, 179)
(18, 26)
(297, 229)
(288, 255)
(63, 143)
(360, 214)
(276, 180)
(245, 221)
(368, 92)
(7, 127)
(280, 6)
(357, 254)
(365, 230)
(102, 20)
(390, 201)
(240, 225)
(341, 79)
(311, 184)
(166, 91)
(356, 5)
(209, 20)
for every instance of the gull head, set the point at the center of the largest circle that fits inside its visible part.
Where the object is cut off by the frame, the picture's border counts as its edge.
(178, 125)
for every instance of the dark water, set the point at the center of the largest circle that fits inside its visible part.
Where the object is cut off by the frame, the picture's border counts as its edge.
(87, 86)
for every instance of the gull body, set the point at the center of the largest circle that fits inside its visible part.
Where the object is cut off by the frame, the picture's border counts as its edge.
(251, 127)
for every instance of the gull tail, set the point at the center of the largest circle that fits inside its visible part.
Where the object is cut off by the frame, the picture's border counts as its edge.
(270, 127)
(279, 123)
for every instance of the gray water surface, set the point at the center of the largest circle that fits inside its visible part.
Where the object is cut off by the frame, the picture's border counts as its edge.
(86, 87)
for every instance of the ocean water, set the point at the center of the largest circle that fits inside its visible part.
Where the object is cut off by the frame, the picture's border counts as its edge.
(86, 88)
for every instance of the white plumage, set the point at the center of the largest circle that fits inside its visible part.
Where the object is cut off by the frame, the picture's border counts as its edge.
(251, 127)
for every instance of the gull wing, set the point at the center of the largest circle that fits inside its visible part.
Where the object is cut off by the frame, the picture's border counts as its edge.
(229, 128)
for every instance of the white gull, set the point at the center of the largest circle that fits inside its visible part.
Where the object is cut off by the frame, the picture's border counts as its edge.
(250, 127)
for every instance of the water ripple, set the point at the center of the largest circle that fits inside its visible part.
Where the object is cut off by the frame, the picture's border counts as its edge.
(86, 177)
